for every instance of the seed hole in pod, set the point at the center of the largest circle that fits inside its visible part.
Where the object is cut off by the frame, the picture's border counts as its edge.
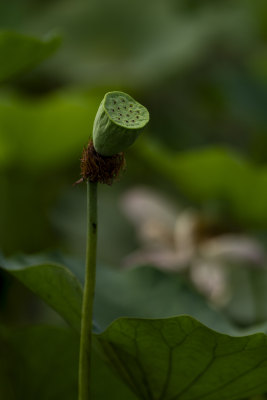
(138, 112)
(118, 108)
(114, 102)
(119, 118)
(121, 115)
(112, 110)
(124, 107)
(131, 105)
(130, 111)
(132, 120)
(137, 117)
(127, 121)
(127, 115)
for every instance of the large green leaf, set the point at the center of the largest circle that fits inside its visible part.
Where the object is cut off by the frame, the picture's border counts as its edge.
(171, 358)
(175, 358)
(179, 358)
(19, 53)
(53, 283)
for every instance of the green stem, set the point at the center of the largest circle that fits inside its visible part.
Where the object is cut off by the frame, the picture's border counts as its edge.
(88, 296)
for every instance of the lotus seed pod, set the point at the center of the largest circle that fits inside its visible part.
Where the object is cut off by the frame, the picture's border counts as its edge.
(118, 122)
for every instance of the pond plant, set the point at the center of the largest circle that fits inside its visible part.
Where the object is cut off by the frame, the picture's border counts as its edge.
(118, 123)
(156, 351)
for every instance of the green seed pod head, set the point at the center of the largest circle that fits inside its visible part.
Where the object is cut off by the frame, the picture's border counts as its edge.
(118, 123)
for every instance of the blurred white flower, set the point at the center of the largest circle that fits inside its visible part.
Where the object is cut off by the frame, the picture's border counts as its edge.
(183, 240)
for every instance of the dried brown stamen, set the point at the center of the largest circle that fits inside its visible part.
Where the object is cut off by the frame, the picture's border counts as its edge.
(98, 168)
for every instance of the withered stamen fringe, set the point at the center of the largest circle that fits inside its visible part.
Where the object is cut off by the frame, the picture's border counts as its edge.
(98, 168)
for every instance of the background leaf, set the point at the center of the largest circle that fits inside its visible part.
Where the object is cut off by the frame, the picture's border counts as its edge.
(52, 130)
(7, 363)
(39, 137)
(44, 362)
(54, 284)
(215, 177)
(143, 292)
(19, 53)
(146, 292)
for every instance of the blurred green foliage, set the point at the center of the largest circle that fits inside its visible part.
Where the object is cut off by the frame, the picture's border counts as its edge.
(20, 53)
(199, 67)
(218, 178)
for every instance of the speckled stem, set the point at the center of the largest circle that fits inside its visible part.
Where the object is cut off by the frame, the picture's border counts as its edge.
(88, 296)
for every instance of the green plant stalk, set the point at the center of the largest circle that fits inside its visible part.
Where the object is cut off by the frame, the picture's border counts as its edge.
(88, 296)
